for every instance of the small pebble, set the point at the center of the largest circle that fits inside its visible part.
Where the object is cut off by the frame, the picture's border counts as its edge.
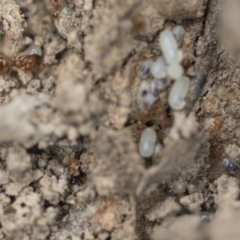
(178, 32)
(230, 166)
(147, 142)
(195, 186)
(158, 68)
(178, 93)
(64, 22)
(206, 217)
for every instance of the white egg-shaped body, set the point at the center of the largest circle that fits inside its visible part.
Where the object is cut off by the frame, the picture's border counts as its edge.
(169, 47)
(147, 142)
(175, 71)
(158, 68)
(178, 93)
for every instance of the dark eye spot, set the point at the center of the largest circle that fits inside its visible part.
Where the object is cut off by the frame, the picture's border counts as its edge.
(144, 93)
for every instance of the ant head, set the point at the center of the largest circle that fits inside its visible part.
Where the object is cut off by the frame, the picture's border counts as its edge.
(55, 14)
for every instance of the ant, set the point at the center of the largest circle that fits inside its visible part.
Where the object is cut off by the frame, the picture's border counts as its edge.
(27, 61)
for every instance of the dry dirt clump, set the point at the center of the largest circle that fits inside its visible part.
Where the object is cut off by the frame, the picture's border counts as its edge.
(70, 166)
(12, 20)
(188, 9)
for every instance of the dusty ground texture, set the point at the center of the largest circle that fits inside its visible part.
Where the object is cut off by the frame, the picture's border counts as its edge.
(69, 131)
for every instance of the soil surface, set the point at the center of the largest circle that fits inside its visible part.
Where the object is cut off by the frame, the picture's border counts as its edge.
(70, 166)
